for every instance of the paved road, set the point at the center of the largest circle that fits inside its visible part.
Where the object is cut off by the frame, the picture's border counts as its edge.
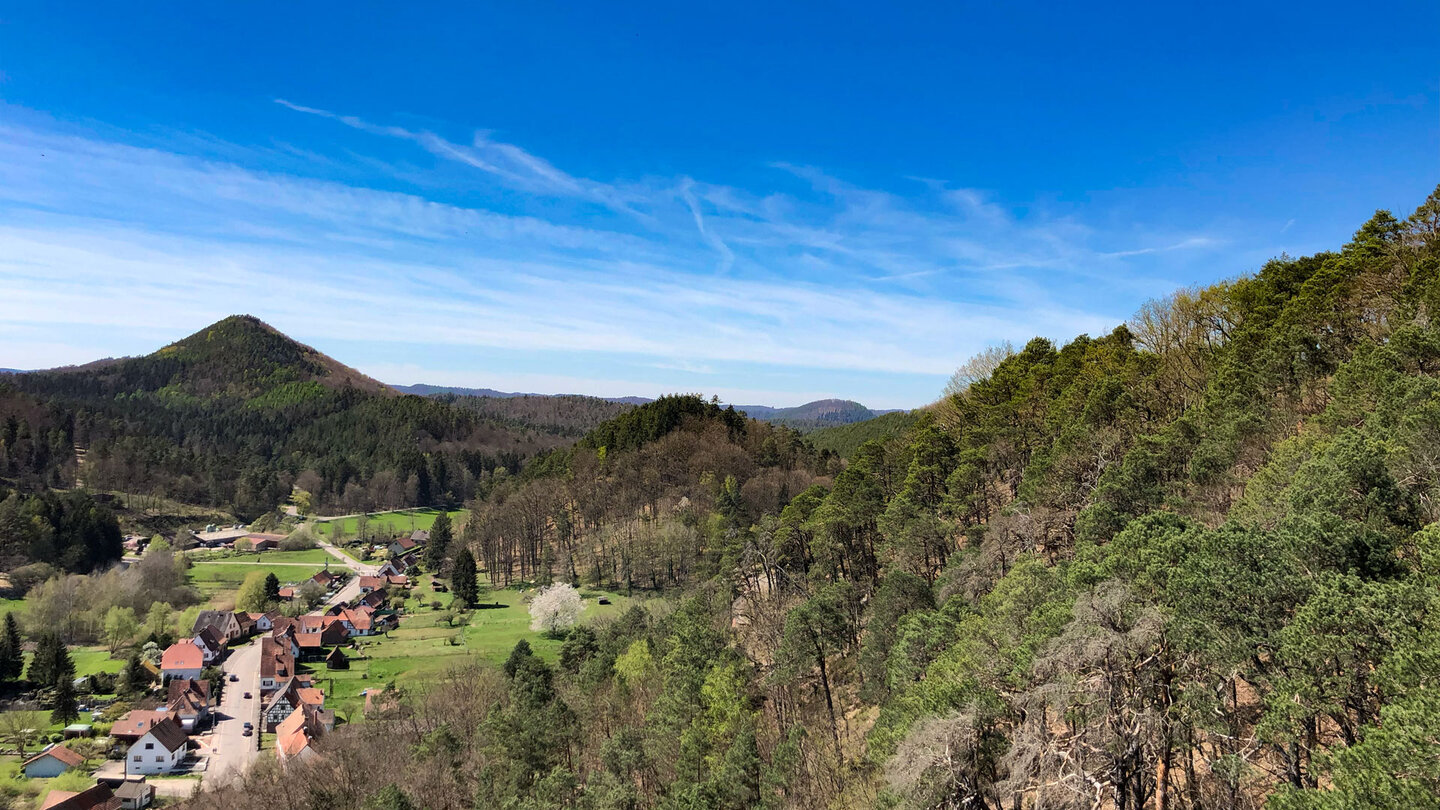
(231, 751)
(352, 588)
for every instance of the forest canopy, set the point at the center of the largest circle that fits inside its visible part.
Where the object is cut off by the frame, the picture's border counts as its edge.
(1190, 563)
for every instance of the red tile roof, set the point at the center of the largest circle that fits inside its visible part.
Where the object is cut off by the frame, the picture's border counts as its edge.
(136, 722)
(60, 752)
(98, 797)
(182, 655)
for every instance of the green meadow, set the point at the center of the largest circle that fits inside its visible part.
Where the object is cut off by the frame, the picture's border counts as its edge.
(218, 581)
(424, 646)
(318, 556)
(388, 523)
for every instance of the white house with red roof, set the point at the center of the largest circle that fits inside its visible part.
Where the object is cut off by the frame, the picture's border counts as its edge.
(183, 659)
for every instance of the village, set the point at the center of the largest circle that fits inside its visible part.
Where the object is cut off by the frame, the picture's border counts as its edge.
(242, 685)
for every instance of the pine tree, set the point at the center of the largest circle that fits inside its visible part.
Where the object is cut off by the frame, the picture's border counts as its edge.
(65, 710)
(51, 664)
(462, 577)
(12, 655)
(134, 677)
(272, 588)
(440, 536)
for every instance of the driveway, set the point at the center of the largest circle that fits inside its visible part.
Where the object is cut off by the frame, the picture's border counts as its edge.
(230, 752)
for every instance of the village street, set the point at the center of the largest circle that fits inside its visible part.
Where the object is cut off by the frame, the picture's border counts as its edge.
(351, 591)
(229, 750)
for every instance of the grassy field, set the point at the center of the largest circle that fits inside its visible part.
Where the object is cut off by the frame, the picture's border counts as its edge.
(424, 646)
(90, 660)
(394, 522)
(317, 556)
(11, 606)
(217, 581)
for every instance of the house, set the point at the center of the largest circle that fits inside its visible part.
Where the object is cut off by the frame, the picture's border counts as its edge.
(189, 703)
(210, 644)
(294, 734)
(325, 579)
(280, 705)
(159, 750)
(408, 563)
(312, 647)
(136, 724)
(384, 620)
(287, 592)
(53, 761)
(368, 583)
(391, 568)
(246, 625)
(405, 545)
(277, 664)
(398, 581)
(375, 598)
(264, 621)
(334, 632)
(225, 622)
(98, 797)
(310, 696)
(183, 659)
(336, 659)
(294, 694)
(135, 794)
(357, 622)
(287, 635)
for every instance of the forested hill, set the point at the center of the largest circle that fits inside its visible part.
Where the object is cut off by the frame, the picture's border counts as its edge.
(844, 440)
(234, 415)
(568, 416)
(812, 415)
(1191, 563)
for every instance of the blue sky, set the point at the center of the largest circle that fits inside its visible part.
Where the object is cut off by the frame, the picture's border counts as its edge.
(768, 202)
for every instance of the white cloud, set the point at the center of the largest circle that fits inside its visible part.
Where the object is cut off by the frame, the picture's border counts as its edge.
(105, 235)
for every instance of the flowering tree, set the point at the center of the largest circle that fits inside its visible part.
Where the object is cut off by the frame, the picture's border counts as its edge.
(555, 609)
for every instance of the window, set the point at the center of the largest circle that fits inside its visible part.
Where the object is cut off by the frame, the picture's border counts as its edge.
(138, 757)
(159, 759)
(148, 746)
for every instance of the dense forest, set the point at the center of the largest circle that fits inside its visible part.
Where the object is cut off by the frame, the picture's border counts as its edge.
(844, 440)
(236, 415)
(1192, 563)
(565, 415)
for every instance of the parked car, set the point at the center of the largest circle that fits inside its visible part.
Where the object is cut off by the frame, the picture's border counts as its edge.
(234, 677)
(249, 725)
(247, 695)
(246, 733)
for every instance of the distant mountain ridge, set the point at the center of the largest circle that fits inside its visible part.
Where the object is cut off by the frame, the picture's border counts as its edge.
(811, 416)
(424, 390)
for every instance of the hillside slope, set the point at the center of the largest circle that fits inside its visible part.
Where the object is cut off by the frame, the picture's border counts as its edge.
(236, 414)
(844, 440)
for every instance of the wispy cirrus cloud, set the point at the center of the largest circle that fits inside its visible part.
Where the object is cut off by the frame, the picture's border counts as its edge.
(106, 247)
